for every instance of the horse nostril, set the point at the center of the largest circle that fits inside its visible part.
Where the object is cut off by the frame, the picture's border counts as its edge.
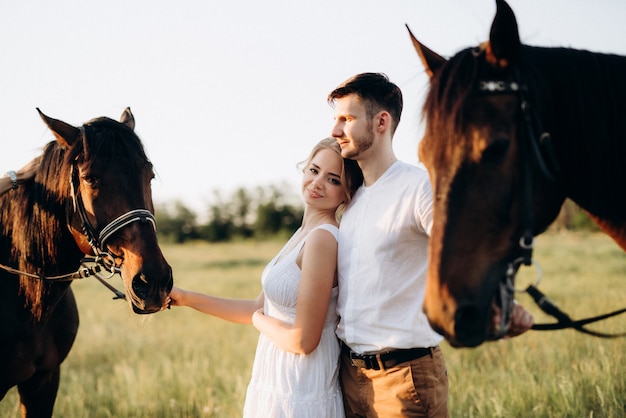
(144, 289)
(470, 326)
(140, 286)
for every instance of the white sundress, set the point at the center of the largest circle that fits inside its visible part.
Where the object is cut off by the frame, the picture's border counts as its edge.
(290, 385)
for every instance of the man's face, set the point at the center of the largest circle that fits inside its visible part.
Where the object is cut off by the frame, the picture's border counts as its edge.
(353, 128)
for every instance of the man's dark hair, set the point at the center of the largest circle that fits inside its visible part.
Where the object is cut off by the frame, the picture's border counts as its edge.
(377, 93)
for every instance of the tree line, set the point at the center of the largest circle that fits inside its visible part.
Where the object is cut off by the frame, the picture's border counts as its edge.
(262, 212)
(267, 212)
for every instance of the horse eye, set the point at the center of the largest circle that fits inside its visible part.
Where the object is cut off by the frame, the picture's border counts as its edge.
(496, 151)
(90, 181)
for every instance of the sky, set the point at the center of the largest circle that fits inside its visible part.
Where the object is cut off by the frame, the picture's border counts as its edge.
(230, 94)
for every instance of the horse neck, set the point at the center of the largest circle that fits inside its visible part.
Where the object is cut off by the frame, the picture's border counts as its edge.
(581, 97)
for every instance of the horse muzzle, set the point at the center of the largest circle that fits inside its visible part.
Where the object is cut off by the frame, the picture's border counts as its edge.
(487, 320)
(148, 295)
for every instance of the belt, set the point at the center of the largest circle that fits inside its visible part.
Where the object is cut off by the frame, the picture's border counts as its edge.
(386, 359)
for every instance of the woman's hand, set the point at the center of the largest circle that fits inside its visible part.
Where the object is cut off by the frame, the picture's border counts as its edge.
(256, 315)
(521, 321)
(175, 298)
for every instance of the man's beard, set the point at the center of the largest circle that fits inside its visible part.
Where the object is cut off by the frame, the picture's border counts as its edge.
(361, 144)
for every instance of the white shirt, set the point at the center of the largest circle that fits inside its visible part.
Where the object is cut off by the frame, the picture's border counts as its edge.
(382, 261)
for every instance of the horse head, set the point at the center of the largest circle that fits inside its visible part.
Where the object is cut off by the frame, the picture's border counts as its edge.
(109, 204)
(487, 176)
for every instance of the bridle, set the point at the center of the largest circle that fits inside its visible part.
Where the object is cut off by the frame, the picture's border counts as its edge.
(540, 152)
(102, 260)
(96, 240)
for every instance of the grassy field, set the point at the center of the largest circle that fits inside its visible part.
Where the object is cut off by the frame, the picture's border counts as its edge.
(180, 363)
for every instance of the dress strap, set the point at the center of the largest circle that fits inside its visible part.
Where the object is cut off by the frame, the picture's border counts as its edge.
(328, 227)
(288, 250)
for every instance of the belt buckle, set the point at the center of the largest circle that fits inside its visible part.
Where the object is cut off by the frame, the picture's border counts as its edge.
(357, 362)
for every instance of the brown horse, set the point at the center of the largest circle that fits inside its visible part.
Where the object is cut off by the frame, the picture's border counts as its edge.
(91, 195)
(511, 132)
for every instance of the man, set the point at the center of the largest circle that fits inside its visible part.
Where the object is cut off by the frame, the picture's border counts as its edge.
(391, 362)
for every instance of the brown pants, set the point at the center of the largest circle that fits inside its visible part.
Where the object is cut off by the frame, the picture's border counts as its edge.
(417, 388)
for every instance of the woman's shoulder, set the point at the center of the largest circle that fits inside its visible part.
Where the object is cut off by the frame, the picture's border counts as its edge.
(333, 229)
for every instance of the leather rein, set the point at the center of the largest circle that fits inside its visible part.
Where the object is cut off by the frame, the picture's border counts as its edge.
(531, 151)
(102, 260)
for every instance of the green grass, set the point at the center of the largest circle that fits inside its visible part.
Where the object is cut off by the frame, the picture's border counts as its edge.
(553, 373)
(180, 363)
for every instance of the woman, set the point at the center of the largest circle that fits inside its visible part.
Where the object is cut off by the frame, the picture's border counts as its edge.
(296, 363)
(12, 179)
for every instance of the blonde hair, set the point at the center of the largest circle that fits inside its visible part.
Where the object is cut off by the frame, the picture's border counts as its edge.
(351, 174)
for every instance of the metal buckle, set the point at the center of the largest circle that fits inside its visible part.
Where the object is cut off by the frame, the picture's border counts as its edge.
(381, 365)
(357, 362)
(368, 361)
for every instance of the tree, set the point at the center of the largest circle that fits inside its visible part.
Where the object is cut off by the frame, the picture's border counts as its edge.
(274, 214)
(240, 209)
(221, 226)
(176, 223)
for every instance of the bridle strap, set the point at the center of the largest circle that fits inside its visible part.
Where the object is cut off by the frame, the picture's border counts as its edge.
(564, 321)
(88, 229)
(527, 241)
(83, 272)
(529, 150)
(136, 215)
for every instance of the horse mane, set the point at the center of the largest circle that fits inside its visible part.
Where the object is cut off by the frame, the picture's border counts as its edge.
(33, 222)
(584, 112)
(444, 104)
(580, 95)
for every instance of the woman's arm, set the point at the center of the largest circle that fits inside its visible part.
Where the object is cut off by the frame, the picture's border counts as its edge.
(234, 310)
(319, 269)
(5, 184)
(23, 174)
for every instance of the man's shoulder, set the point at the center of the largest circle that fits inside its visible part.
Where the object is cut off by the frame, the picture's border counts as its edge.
(403, 165)
(418, 173)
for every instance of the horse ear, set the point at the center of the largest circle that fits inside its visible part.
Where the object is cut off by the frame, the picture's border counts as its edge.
(504, 43)
(65, 134)
(431, 60)
(128, 119)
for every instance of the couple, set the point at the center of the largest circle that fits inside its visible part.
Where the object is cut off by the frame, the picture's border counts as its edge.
(369, 275)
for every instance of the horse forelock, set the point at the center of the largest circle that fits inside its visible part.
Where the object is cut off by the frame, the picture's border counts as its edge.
(112, 149)
(106, 139)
